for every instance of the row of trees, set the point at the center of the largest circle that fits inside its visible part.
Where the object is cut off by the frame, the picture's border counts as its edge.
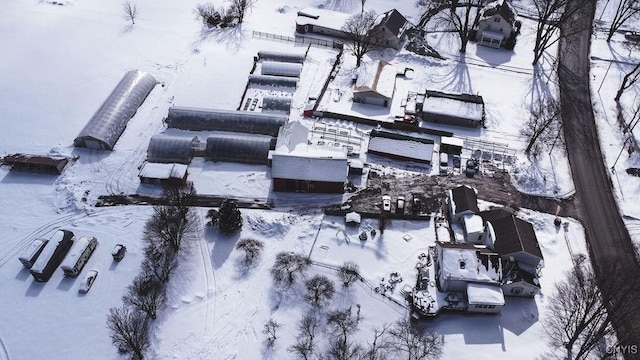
(167, 237)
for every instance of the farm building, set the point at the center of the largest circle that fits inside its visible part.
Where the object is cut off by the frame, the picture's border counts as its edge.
(278, 68)
(265, 55)
(171, 149)
(238, 148)
(462, 201)
(163, 173)
(375, 84)
(391, 28)
(322, 21)
(38, 163)
(276, 103)
(497, 24)
(451, 145)
(108, 123)
(453, 109)
(401, 147)
(250, 122)
(297, 166)
(273, 81)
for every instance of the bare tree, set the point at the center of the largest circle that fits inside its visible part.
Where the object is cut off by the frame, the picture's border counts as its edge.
(288, 267)
(147, 294)
(252, 249)
(171, 225)
(378, 348)
(130, 11)
(129, 330)
(320, 290)
(625, 11)
(362, 2)
(348, 273)
(341, 325)
(544, 125)
(631, 78)
(584, 309)
(551, 14)
(270, 328)
(362, 35)
(159, 261)
(415, 343)
(239, 8)
(464, 16)
(305, 346)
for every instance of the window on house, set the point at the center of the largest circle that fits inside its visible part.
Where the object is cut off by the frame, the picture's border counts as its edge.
(496, 19)
(462, 264)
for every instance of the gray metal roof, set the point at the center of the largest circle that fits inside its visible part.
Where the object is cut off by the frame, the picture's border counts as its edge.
(251, 122)
(108, 123)
(239, 148)
(170, 149)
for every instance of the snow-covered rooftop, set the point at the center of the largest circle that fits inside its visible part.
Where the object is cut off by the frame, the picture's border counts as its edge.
(377, 76)
(484, 294)
(329, 19)
(163, 171)
(453, 107)
(462, 262)
(402, 148)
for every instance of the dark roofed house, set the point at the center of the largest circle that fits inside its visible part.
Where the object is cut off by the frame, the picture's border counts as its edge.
(37, 163)
(462, 200)
(514, 239)
(517, 282)
(391, 28)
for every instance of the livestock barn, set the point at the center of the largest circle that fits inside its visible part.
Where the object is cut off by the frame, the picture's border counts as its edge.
(248, 122)
(108, 123)
(37, 163)
(171, 149)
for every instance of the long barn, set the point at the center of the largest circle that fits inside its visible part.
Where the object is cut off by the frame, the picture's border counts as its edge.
(249, 122)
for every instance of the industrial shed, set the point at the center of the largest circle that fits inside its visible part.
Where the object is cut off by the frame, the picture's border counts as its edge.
(37, 163)
(250, 122)
(171, 149)
(275, 81)
(401, 147)
(238, 148)
(281, 56)
(278, 68)
(108, 123)
(276, 103)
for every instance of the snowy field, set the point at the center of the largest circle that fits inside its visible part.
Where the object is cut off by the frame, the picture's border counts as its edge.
(59, 63)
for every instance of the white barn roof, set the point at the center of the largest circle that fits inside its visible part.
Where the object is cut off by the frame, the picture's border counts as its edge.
(402, 148)
(320, 17)
(311, 166)
(453, 107)
(163, 171)
(376, 76)
(486, 294)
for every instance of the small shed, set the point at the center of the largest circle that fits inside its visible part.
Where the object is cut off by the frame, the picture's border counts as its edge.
(352, 218)
(171, 149)
(238, 148)
(278, 68)
(451, 145)
(108, 123)
(36, 163)
(161, 173)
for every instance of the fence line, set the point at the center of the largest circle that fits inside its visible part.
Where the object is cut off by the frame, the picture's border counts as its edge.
(299, 39)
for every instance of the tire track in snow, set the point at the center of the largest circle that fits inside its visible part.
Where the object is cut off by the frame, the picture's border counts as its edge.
(4, 354)
(209, 273)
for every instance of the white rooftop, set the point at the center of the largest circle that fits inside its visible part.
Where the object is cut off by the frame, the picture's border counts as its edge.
(316, 164)
(452, 107)
(163, 171)
(405, 148)
(463, 264)
(378, 76)
(320, 17)
(484, 294)
(473, 223)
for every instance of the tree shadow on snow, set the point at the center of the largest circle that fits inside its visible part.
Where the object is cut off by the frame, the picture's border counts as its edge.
(223, 245)
(494, 57)
(458, 78)
(231, 37)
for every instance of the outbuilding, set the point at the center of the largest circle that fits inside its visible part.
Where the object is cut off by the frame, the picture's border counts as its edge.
(171, 149)
(163, 173)
(278, 68)
(401, 147)
(108, 123)
(375, 83)
(238, 148)
(37, 163)
(250, 122)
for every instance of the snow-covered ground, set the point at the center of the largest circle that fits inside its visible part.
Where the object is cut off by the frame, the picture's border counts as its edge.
(58, 63)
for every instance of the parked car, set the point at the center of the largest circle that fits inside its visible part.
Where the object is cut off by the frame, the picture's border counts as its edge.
(386, 203)
(471, 167)
(118, 252)
(400, 205)
(444, 163)
(416, 204)
(88, 281)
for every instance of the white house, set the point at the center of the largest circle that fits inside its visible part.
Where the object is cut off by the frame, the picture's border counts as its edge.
(496, 24)
(460, 263)
(297, 166)
(375, 83)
